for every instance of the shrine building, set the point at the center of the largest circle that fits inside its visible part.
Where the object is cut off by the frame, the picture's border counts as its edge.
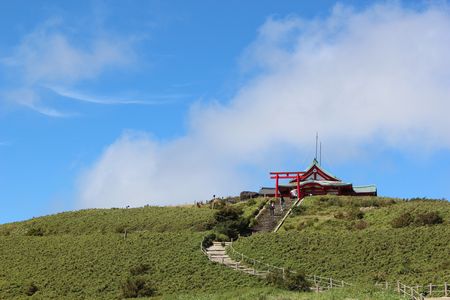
(314, 181)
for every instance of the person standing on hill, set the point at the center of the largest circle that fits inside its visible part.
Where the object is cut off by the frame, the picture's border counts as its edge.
(282, 203)
(272, 208)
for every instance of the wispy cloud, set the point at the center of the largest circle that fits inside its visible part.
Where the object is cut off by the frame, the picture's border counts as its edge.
(79, 96)
(28, 98)
(51, 56)
(380, 74)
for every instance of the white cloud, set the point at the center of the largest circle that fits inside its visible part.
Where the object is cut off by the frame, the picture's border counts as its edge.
(49, 56)
(381, 75)
(83, 97)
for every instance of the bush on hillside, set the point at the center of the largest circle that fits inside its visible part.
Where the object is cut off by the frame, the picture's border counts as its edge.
(360, 224)
(355, 214)
(428, 218)
(36, 231)
(420, 219)
(135, 287)
(228, 213)
(232, 229)
(30, 289)
(293, 281)
(208, 240)
(403, 220)
(230, 222)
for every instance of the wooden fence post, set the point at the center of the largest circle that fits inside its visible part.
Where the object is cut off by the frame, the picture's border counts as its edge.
(398, 287)
(445, 289)
(331, 283)
(431, 288)
(387, 285)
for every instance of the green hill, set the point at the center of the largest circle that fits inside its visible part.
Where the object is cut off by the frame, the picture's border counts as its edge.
(361, 239)
(99, 253)
(84, 254)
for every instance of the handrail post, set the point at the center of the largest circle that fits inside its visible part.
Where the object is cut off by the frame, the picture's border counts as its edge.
(445, 289)
(398, 287)
(431, 288)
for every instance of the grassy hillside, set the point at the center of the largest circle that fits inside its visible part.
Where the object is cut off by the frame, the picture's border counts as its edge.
(84, 254)
(150, 218)
(359, 239)
(270, 293)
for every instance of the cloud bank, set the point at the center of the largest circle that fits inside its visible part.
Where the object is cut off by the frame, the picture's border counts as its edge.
(378, 76)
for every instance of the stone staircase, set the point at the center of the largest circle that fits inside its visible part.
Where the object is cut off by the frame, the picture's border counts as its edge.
(216, 253)
(266, 222)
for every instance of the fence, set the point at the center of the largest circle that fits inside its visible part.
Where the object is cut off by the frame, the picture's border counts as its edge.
(297, 202)
(418, 292)
(318, 283)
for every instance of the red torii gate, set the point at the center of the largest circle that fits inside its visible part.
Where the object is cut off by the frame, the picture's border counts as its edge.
(287, 175)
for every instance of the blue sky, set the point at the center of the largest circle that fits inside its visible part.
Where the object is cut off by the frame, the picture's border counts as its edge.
(106, 104)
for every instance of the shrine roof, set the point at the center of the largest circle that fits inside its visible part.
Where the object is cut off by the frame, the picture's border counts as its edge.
(365, 189)
(317, 165)
(320, 182)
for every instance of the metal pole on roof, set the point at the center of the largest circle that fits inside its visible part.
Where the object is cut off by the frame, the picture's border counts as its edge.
(317, 139)
(320, 154)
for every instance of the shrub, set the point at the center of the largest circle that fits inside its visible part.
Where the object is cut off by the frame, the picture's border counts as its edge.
(290, 281)
(296, 282)
(228, 213)
(233, 229)
(135, 287)
(36, 231)
(275, 278)
(428, 218)
(230, 222)
(30, 289)
(403, 220)
(361, 224)
(208, 240)
(355, 214)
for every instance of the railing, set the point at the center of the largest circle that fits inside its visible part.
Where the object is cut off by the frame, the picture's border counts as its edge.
(203, 248)
(417, 292)
(297, 202)
(319, 283)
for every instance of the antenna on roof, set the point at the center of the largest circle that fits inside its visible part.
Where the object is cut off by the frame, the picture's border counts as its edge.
(320, 154)
(317, 139)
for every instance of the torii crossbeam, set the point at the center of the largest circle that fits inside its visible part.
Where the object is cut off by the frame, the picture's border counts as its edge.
(287, 175)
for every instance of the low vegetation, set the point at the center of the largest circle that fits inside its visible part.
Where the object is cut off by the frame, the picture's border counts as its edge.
(154, 252)
(364, 239)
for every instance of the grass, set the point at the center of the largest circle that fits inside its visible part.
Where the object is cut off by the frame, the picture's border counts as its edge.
(95, 265)
(150, 218)
(270, 293)
(325, 239)
(85, 255)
